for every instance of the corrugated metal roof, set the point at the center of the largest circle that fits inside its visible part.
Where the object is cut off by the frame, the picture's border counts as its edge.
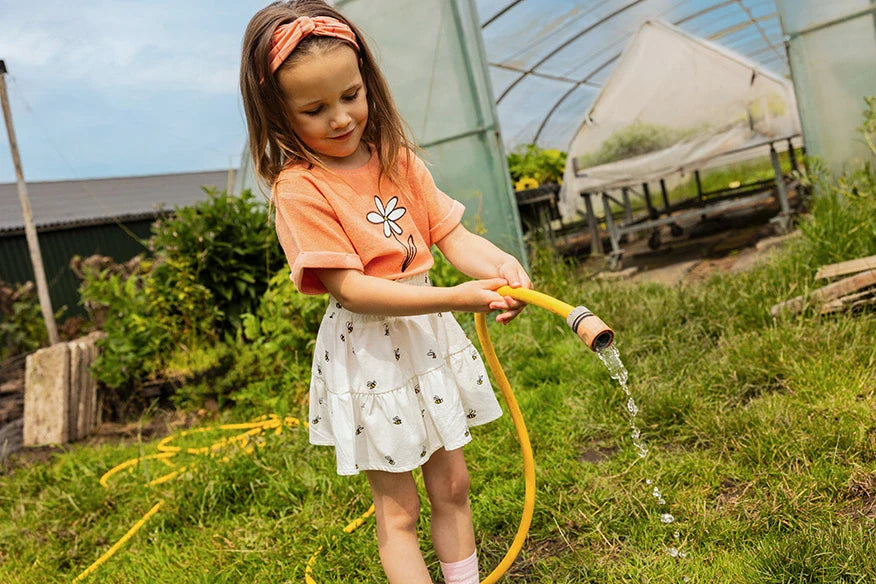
(76, 202)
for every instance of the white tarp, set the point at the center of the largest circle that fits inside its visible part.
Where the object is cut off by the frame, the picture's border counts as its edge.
(674, 103)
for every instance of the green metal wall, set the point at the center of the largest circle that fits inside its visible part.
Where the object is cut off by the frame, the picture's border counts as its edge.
(58, 246)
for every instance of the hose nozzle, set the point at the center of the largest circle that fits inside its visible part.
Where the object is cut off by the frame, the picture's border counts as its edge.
(590, 328)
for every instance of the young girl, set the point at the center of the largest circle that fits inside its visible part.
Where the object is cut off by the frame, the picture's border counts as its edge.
(396, 384)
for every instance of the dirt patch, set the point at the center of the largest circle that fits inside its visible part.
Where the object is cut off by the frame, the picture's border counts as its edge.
(860, 497)
(162, 423)
(596, 454)
(732, 490)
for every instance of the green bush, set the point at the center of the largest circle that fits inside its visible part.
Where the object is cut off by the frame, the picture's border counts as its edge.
(230, 245)
(272, 349)
(146, 315)
(22, 329)
(545, 166)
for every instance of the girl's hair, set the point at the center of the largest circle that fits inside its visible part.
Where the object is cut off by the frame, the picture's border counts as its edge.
(272, 142)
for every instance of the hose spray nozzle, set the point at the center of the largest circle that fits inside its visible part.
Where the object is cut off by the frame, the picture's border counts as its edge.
(590, 328)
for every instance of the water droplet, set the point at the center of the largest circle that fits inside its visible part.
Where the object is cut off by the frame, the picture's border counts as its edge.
(672, 552)
(666, 518)
(661, 501)
(686, 579)
(636, 433)
(648, 481)
(676, 535)
(632, 407)
(682, 554)
(643, 452)
(655, 492)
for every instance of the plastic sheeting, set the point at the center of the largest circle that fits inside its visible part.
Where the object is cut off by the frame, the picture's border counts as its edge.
(549, 59)
(674, 103)
(833, 56)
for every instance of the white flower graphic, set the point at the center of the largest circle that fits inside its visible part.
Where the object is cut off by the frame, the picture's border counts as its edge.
(387, 215)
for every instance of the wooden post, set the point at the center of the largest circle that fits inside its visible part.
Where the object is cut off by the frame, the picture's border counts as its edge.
(33, 245)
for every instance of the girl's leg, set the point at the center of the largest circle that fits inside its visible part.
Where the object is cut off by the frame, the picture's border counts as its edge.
(447, 483)
(397, 508)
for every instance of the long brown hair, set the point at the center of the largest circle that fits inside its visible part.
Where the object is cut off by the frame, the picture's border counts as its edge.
(272, 141)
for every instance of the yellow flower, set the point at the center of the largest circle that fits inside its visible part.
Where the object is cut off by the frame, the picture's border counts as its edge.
(527, 182)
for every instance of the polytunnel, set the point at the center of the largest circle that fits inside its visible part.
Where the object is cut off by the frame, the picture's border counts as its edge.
(477, 78)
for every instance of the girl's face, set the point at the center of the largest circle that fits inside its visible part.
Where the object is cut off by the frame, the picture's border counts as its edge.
(325, 100)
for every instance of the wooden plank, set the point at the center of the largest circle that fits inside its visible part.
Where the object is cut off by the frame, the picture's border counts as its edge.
(826, 293)
(864, 298)
(846, 268)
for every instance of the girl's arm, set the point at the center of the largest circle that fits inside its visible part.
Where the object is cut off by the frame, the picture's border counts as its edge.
(371, 295)
(477, 257)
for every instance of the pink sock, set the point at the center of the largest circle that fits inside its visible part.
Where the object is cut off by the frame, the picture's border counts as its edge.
(461, 572)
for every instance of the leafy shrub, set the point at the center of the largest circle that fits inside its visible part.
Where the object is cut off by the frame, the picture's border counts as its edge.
(545, 166)
(145, 318)
(22, 329)
(228, 243)
(272, 349)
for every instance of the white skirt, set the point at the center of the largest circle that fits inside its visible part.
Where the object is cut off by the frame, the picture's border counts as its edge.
(387, 392)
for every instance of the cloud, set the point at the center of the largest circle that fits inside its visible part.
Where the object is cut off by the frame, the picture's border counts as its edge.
(126, 44)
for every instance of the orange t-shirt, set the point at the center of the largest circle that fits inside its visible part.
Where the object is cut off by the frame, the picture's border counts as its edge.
(341, 219)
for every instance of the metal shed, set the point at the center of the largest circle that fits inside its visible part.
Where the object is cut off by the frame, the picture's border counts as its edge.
(108, 216)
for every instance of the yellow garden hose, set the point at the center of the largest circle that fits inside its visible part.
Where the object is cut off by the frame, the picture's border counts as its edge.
(584, 323)
(595, 334)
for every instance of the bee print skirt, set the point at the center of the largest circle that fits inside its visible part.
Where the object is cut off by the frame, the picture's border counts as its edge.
(387, 392)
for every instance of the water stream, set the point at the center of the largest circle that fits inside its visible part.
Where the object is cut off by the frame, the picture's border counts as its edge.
(610, 357)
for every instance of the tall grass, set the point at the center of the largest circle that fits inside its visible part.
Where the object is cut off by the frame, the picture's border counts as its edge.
(762, 437)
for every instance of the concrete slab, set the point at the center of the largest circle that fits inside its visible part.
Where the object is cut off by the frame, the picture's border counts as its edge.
(46, 396)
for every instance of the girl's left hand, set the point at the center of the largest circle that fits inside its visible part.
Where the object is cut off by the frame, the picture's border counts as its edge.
(517, 277)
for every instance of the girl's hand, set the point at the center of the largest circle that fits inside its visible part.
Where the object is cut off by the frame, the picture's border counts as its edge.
(479, 295)
(516, 277)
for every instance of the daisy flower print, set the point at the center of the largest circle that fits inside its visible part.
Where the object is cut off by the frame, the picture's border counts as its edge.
(388, 215)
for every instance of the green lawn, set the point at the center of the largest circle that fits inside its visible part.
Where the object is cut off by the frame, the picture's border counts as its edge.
(762, 438)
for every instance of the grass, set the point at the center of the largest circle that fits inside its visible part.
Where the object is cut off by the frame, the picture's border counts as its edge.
(762, 438)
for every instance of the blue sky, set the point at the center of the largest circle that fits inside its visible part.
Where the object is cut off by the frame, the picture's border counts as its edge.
(102, 88)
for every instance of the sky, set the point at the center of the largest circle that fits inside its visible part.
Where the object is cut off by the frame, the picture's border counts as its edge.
(105, 88)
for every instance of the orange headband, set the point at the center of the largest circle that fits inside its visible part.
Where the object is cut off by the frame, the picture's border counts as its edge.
(287, 36)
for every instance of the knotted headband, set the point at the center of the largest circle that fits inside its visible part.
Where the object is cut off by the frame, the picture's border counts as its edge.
(287, 36)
